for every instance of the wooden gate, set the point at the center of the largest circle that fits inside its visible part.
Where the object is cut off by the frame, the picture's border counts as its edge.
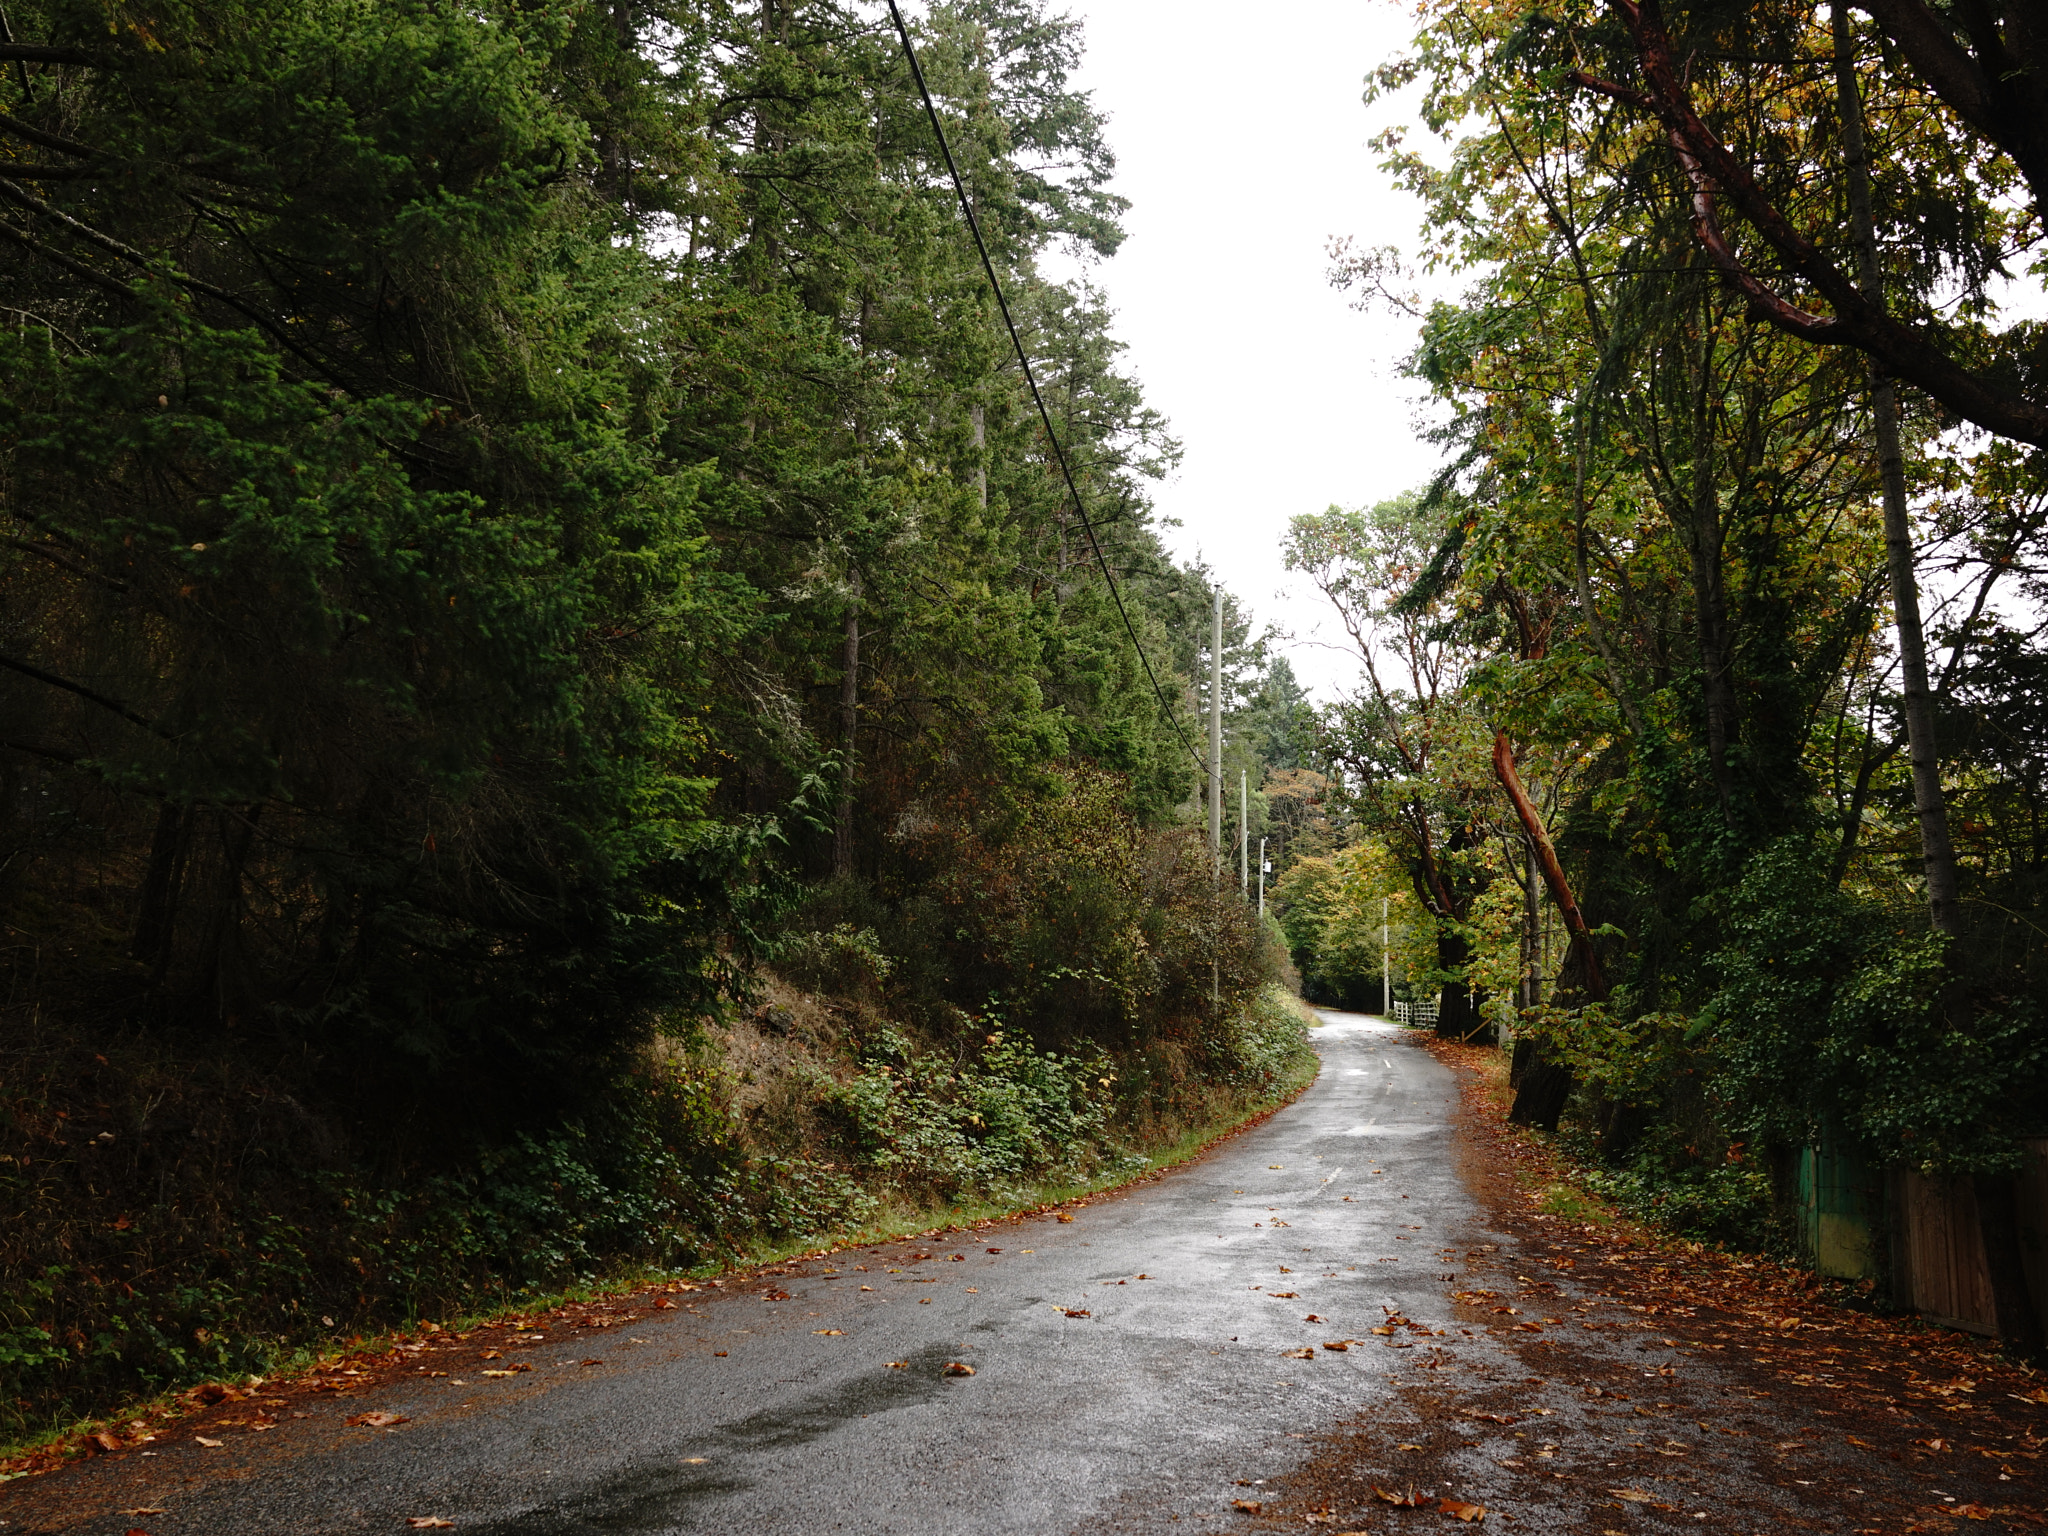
(1938, 1253)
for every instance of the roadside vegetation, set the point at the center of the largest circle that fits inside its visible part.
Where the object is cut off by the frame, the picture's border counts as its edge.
(556, 716)
(1696, 745)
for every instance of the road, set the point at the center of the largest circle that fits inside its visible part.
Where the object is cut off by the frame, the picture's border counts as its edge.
(740, 1415)
(1137, 1367)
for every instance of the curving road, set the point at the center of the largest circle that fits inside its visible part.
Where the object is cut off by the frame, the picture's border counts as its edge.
(739, 1414)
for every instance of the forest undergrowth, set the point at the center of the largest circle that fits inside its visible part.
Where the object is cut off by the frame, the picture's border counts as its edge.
(1560, 1182)
(186, 1219)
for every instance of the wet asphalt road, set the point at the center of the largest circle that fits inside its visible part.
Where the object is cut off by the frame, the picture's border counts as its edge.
(1148, 1410)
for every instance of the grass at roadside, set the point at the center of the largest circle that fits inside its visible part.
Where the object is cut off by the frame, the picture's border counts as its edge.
(141, 1419)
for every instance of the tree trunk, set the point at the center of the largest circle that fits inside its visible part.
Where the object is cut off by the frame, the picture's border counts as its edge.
(222, 970)
(977, 421)
(1543, 1083)
(1710, 604)
(849, 720)
(1457, 1015)
(2018, 1324)
(161, 880)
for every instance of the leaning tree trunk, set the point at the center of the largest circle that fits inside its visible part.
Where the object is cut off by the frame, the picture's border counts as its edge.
(2019, 1325)
(1543, 1084)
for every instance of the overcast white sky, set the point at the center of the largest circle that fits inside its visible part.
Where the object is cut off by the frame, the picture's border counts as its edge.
(1241, 142)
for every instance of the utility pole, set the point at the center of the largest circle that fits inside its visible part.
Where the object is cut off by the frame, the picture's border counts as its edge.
(1386, 966)
(1262, 877)
(1244, 833)
(1216, 734)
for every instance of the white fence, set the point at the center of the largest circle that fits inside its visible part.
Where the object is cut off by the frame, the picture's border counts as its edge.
(1416, 1015)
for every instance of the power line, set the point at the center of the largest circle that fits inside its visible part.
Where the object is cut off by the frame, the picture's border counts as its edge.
(1017, 342)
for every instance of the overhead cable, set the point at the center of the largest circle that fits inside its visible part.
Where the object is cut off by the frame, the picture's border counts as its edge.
(1059, 454)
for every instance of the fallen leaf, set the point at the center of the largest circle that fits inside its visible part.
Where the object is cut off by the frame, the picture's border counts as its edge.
(103, 1442)
(695, 1461)
(1297, 1354)
(593, 1362)
(1633, 1495)
(718, 1354)
(214, 1444)
(1408, 1447)
(1286, 1295)
(1312, 1318)
(429, 1523)
(1076, 1311)
(1971, 1512)
(833, 1332)
(1458, 1509)
(958, 1368)
(1383, 1331)
(1340, 1346)
(497, 1374)
(212, 1392)
(1408, 1500)
(378, 1420)
(1492, 1418)
(1249, 1506)
(1064, 1216)
(899, 1365)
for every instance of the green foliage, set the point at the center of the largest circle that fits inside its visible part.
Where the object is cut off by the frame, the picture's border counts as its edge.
(1716, 1201)
(499, 502)
(982, 1125)
(1651, 578)
(1834, 1018)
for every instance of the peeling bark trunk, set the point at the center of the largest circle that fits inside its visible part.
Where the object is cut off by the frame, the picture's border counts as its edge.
(1543, 1084)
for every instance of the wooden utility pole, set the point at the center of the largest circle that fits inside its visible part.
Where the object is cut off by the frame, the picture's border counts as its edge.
(1386, 967)
(1216, 734)
(1244, 833)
